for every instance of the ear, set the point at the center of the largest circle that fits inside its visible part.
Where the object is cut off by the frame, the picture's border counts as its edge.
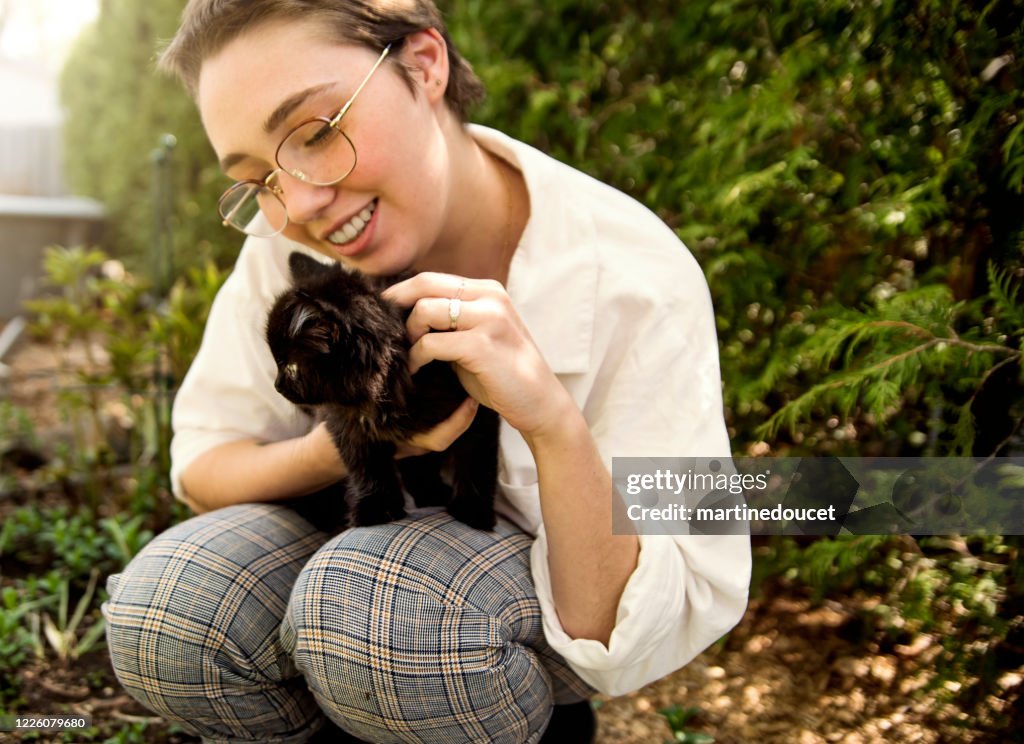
(301, 315)
(314, 326)
(426, 54)
(305, 267)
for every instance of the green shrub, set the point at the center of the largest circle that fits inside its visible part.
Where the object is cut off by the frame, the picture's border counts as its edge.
(822, 158)
(136, 348)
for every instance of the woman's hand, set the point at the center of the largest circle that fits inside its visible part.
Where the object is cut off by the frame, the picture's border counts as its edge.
(494, 356)
(441, 436)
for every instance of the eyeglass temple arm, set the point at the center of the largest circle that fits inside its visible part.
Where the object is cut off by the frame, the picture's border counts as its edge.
(345, 108)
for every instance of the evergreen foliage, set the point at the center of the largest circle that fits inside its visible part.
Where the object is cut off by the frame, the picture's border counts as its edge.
(845, 171)
(834, 164)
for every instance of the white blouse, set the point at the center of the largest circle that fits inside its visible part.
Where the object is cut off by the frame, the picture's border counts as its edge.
(621, 312)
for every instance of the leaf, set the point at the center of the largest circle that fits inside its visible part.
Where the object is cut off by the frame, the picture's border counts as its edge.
(90, 638)
(83, 604)
(58, 642)
(1011, 476)
(1013, 158)
(1003, 291)
(964, 431)
(754, 182)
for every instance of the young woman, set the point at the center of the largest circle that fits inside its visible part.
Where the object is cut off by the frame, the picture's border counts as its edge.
(564, 305)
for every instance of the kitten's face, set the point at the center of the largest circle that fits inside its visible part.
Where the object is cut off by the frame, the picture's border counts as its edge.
(332, 338)
(301, 351)
(321, 355)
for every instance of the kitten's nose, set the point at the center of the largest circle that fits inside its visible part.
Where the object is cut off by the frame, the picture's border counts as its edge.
(281, 385)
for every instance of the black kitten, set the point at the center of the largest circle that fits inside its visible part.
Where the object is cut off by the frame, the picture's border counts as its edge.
(342, 353)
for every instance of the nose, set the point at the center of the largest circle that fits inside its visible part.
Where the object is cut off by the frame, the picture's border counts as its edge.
(304, 201)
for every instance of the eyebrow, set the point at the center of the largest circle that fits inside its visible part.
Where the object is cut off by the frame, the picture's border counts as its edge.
(277, 118)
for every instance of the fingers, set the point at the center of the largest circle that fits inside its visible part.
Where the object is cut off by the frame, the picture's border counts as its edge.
(444, 302)
(444, 347)
(442, 286)
(441, 436)
(435, 314)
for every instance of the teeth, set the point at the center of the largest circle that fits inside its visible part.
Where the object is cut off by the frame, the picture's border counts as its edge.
(354, 227)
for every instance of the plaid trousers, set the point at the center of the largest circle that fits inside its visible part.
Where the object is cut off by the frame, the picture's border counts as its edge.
(246, 624)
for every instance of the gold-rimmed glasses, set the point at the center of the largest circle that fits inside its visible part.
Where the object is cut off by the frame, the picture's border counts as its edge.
(316, 152)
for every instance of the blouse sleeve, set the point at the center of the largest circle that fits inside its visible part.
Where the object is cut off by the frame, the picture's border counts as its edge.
(657, 393)
(228, 393)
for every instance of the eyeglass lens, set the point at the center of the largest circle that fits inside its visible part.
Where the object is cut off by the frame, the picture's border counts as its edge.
(242, 203)
(317, 153)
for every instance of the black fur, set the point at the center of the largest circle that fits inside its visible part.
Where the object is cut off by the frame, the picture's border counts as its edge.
(342, 354)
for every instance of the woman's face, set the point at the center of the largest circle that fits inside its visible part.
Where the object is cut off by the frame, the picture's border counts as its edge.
(402, 175)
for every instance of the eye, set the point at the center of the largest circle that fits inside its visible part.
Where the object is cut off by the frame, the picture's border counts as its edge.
(292, 370)
(318, 136)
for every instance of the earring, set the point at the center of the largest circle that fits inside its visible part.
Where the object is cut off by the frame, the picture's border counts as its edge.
(437, 82)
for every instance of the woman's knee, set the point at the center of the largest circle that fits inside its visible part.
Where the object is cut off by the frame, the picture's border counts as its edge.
(193, 621)
(423, 630)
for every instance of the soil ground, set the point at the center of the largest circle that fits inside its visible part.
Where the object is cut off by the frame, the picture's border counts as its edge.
(784, 675)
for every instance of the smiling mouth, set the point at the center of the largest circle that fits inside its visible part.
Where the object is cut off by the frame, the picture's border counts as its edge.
(354, 227)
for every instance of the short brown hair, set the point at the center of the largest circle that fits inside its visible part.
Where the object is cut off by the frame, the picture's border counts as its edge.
(207, 26)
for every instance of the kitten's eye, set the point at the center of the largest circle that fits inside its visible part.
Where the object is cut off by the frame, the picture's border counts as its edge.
(292, 370)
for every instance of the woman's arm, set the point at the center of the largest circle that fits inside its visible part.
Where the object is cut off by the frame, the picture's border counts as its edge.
(500, 366)
(588, 564)
(248, 470)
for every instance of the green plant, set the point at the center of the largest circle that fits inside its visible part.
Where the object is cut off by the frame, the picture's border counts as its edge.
(848, 174)
(75, 321)
(963, 591)
(178, 328)
(816, 162)
(17, 536)
(678, 719)
(905, 350)
(16, 642)
(122, 355)
(16, 427)
(62, 634)
(131, 733)
(117, 105)
(73, 543)
(128, 536)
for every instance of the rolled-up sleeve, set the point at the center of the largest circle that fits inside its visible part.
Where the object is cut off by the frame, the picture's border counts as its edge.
(228, 393)
(656, 393)
(685, 593)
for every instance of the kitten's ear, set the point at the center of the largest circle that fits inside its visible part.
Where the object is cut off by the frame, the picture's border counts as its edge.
(305, 267)
(313, 324)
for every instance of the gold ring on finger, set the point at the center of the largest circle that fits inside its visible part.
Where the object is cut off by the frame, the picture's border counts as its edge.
(454, 310)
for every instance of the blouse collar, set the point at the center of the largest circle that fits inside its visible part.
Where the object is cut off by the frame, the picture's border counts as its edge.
(553, 276)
